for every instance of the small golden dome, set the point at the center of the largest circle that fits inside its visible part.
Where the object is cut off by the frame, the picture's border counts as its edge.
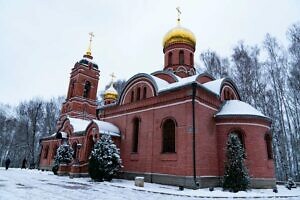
(179, 35)
(111, 93)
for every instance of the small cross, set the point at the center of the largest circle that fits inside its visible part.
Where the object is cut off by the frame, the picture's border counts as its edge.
(178, 14)
(89, 50)
(91, 36)
(113, 76)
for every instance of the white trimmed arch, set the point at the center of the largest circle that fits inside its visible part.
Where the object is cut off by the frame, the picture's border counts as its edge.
(132, 85)
(232, 91)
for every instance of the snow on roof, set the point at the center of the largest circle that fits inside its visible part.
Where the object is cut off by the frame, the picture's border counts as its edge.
(162, 85)
(181, 82)
(50, 136)
(64, 135)
(214, 86)
(237, 107)
(159, 82)
(79, 124)
(104, 127)
(53, 135)
(88, 59)
(107, 128)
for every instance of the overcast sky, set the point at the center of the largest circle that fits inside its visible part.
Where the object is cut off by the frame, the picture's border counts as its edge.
(41, 40)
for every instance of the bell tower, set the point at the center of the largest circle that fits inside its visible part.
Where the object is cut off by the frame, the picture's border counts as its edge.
(82, 93)
(179, 46)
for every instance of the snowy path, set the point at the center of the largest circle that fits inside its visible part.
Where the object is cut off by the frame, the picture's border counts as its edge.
(18, 184)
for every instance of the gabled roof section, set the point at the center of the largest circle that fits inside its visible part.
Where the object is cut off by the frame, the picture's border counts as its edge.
(107, 128)
(185, 81)
(205, 77)
(81, 125)
(78, 125)
(216, 85)
(155, 82)
(181, 82)
(238, 108)
(159, 85)
(169, 74)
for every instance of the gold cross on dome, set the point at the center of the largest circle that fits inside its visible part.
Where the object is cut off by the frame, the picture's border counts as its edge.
(178, 14)
(91, 36)
(113, 76)
(89, 50)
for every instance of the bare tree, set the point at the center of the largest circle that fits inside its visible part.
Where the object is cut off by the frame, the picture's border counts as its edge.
(294, 92)
(276, 64)
(51, 115)
(30, 115)
(247, 74)
(214, 64)
(7, 132)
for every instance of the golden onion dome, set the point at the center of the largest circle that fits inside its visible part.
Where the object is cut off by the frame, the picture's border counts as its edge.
(111, 93)
(179, 34)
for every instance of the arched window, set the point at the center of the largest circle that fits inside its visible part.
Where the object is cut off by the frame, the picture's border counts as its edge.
(46, 152)
(168, 143)
(170, 58)
(87, 89)
(268, 140)
(74, 147)
(227, 95)
(135, 135)
(71, 89)
(145, 93)
(181, 57)
(138, 94)
(191, 59)
(241, 137)
(132, 96)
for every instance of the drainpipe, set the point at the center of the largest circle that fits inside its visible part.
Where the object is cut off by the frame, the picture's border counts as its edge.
(194, 85)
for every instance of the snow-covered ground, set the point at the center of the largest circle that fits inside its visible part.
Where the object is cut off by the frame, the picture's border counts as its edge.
(26, 184)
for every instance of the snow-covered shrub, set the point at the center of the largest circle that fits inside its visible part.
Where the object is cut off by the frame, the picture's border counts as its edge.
(55, 168)
(236, 176)
(105, 161)
(290, 184)
(64, 154)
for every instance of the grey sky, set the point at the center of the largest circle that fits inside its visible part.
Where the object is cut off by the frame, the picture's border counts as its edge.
(41, 40)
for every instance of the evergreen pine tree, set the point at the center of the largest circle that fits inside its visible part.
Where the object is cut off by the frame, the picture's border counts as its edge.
(105, 159)
(64, 155)
(236, 176)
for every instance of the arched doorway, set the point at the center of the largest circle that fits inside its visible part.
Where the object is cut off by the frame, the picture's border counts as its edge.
(74, 147)
(90, 146)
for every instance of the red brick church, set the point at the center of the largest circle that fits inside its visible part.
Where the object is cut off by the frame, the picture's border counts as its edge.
(171, 125)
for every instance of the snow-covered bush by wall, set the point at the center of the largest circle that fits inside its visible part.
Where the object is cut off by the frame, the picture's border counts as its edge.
(64, 154)
(105, 159)
(236, 177)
